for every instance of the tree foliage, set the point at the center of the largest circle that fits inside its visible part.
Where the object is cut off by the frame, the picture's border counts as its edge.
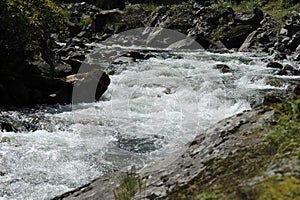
(25, 28)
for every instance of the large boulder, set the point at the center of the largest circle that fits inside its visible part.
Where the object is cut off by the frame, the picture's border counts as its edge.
(236, 36)
(244, 24)
(252, 18)
(30, 89)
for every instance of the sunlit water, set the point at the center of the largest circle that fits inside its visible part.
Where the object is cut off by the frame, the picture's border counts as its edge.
(151, 109)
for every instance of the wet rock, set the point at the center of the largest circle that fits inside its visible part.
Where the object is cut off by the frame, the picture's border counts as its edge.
(280, 56)
(288, 70)
(288, 67)
(294, 42)
(5, 126)
(223, 68)
(275, 65)
(281, 72)
(11, 121)
(30, 89)
(87, 87)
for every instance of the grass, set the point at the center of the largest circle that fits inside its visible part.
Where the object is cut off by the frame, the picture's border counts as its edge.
(150, 7)
(85, 20)
(277, 187)
(277, 9)
(130, 184)
(216, 34)
(233, 177)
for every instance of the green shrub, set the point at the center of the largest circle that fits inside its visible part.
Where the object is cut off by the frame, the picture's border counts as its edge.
(26, 26)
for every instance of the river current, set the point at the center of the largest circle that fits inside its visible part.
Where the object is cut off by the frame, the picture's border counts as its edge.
(152, 108)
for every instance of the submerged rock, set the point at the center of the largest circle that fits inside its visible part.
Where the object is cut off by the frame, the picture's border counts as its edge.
(223, 68)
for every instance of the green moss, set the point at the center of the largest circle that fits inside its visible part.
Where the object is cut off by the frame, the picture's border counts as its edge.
(85, 20)
(216, 34)
(150, 7)
(280, 188)
(229, 178)
(275, 82)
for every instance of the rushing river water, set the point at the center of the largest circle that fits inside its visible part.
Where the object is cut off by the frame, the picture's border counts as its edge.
(151, 109)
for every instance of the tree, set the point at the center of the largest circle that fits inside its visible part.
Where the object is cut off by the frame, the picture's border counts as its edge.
(25, 28)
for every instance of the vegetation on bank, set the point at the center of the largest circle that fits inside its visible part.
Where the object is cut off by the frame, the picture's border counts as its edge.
(277, 9)
(267, 170)
(130, 183)
(25, 28)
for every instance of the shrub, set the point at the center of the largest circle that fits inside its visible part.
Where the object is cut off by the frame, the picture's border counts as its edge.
(25, 29)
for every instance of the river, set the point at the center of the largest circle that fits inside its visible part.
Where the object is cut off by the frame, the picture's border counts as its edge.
(152, 108)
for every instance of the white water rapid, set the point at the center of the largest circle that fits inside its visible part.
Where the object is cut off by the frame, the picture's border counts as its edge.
(151, 109)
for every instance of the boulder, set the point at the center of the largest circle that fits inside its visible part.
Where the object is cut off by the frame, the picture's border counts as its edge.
(294, 42)
(31, 89)
(236, 36)
(252, 18)
(275, 65)
(242, 32)
(223, 68)
(104, 18)
(88, 87)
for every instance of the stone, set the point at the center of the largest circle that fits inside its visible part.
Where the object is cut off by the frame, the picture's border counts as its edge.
(223, 68)
(294, 42)
(253, 17)
(88, 87)
(104, 18)
(275, 65)
(236, 36)
(63, 69)
(248, 41)
(280, 56)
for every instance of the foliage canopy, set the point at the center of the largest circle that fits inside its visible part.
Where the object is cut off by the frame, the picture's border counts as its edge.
(25, 28)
